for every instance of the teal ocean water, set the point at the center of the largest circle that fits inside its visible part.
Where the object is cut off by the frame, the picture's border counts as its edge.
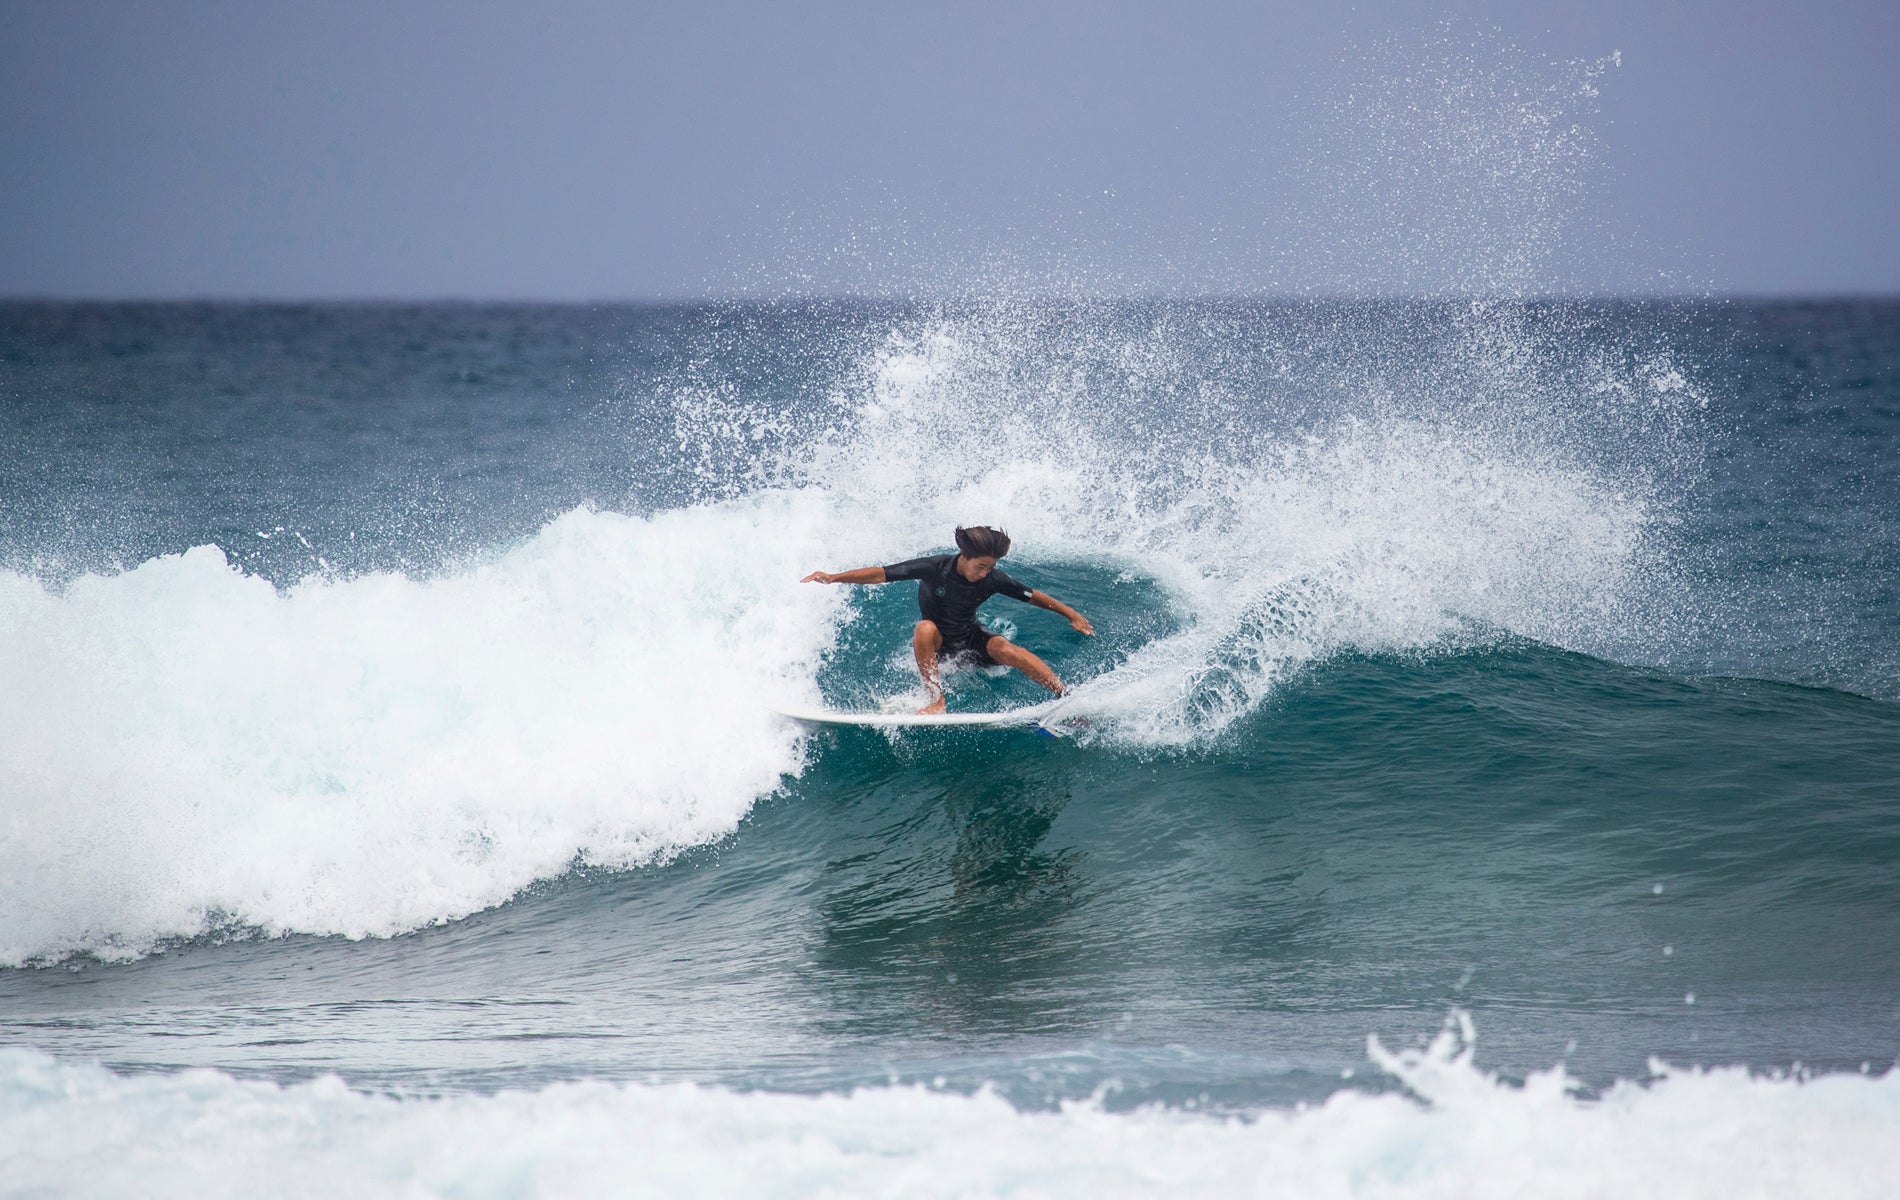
(387, 727)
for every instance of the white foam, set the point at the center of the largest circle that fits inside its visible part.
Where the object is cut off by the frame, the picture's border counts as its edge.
(81, 1131)
(182, 745)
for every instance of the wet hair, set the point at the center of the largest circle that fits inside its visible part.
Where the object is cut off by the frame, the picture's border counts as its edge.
(980, 541)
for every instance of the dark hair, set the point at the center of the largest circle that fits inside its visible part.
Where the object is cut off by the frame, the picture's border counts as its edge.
(980, 541)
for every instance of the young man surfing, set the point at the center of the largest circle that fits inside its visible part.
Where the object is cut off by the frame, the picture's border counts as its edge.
(950, 588)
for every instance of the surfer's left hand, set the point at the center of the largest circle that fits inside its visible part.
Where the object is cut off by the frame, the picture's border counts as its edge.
(1080, 624)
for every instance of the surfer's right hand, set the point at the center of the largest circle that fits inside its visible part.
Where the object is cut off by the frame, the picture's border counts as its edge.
(817, 577)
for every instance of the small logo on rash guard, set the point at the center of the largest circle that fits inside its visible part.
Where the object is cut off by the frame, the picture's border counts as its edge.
(940, 591)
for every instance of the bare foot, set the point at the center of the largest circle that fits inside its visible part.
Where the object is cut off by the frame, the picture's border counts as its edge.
(935, 706)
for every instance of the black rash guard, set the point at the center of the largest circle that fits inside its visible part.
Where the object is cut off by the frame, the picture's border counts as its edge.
(951, 600)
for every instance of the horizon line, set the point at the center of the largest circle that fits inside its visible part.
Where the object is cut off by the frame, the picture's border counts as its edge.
(420, 299)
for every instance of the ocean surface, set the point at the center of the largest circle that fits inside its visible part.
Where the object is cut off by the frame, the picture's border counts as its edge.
(1485, 779)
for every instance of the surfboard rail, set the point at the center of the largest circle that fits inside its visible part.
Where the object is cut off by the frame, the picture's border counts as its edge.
(1031, 715)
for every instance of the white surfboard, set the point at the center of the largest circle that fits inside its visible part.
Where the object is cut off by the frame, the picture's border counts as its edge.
(1034, 714)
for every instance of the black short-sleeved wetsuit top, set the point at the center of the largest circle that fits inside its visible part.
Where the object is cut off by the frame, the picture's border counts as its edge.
(951, 600)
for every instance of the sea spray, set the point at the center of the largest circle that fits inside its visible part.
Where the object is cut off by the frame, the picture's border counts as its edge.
(1291, 507)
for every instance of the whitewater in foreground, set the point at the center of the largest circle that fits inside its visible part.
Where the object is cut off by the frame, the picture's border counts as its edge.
(1453, 1131)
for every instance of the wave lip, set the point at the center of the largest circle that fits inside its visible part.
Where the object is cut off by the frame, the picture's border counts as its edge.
(83, 1131)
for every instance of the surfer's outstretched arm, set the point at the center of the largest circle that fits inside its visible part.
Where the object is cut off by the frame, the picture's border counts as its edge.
(1076, 620)
(860, 575)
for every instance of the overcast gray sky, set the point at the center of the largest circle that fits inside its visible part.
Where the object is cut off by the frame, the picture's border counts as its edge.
(583, 150)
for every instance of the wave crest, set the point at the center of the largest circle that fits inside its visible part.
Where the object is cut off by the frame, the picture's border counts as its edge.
(183, 747)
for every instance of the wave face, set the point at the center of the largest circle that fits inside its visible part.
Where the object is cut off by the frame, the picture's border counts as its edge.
(403, 677)
(364, 751)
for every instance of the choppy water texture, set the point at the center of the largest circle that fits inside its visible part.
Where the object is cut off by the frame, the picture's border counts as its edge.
(387, 694)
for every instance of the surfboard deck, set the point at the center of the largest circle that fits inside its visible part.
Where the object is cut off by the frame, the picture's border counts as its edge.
(1034, 714)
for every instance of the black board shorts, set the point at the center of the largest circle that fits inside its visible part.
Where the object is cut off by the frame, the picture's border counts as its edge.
(972, 642)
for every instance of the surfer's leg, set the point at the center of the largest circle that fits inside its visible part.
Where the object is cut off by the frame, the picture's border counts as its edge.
(1010, 654)
(925, 642)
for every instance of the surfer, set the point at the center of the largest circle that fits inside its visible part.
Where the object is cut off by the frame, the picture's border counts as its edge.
(950, 588)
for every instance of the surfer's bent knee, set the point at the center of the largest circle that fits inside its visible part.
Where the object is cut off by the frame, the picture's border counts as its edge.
(927, 630)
